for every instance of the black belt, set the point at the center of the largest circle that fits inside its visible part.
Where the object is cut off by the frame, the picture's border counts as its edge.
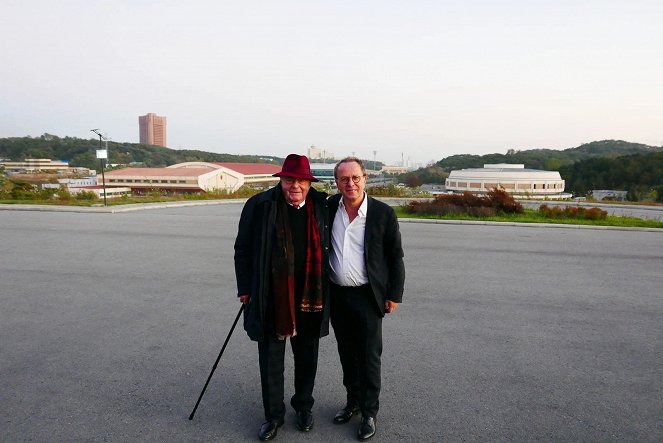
(364, 286)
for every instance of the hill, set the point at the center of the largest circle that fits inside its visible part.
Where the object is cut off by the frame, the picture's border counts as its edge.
(549, 159)
(546, 159)
(639, 174)
(82, 152)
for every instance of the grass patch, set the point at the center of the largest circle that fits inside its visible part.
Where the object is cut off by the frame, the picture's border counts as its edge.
(535, 216)
(63, 198)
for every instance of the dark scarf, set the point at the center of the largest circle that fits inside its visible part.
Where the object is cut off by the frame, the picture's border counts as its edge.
(283, 270)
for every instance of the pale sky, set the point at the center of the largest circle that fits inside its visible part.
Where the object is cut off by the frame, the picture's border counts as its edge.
(418, 79)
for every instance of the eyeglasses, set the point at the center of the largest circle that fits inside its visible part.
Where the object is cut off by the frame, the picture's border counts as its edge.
(346, 180)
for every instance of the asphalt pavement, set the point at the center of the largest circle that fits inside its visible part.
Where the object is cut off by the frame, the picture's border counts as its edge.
(110, 324)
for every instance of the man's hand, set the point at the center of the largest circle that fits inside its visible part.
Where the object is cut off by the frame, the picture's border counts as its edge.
(244, 298)
(390, 306)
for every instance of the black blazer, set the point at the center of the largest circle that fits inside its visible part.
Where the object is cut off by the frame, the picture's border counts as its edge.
(383, 252)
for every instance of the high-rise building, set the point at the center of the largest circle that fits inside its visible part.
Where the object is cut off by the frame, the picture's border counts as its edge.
(319, 154)
(152, 129)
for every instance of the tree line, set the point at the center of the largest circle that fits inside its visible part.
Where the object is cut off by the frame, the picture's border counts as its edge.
(606, 164)
(82, 152)
(548, 159)
(641, 175)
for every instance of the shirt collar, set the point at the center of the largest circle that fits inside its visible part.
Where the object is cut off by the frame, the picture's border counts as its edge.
(362, 209)
(301, 205)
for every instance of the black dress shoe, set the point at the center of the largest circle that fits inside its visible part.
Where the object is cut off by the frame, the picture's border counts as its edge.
(345, 414)
(304, 421)
(269, 429)
(366, 428)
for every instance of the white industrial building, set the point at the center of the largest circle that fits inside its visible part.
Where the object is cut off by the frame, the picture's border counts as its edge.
(513, 178)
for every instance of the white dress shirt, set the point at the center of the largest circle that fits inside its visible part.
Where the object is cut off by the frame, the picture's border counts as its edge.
(299, 206)
(347, 255)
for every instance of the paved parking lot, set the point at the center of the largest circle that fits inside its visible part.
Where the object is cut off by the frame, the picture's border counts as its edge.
(110, 324)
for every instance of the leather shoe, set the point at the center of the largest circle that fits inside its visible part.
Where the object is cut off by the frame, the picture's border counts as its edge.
(304, 421)
(366, 428)
(269, 429)
(345, 414)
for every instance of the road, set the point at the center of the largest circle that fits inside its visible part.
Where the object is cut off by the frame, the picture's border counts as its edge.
(110, 324)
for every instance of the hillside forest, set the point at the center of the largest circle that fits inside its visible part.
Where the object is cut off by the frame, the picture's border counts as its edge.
(607, 164)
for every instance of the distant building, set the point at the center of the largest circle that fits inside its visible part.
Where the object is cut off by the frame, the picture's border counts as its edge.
(609, 194)
(152, 129)
(194, 177)
(513, 178)
(319, 154)
(73, 182)
(323, 171)
(99, 191)
(87, 184)
(37, 165)
(30, 165)
(394, 169)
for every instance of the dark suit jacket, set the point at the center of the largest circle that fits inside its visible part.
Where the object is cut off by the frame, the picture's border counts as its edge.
(383, 252)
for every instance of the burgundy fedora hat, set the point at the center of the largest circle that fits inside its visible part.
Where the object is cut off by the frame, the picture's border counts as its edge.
(296, 166)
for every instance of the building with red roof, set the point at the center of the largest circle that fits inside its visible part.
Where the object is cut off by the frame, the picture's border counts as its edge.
(194, 177)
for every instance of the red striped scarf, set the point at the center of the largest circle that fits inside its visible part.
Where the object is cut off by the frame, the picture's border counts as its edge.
(283, 270)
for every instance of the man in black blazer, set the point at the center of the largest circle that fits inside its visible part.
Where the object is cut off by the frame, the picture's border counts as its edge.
(367, 276)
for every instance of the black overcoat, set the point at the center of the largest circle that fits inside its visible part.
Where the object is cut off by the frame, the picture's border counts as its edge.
(253, 246)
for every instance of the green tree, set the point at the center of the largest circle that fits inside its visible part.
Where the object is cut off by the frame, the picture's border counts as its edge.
(81, 152)
(413, 181)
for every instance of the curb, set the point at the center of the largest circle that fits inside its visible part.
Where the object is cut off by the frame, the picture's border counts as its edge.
(116, 209)
(147, 206)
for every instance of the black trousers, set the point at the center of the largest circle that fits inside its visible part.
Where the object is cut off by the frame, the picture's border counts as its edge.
(271, 354)
(358, 328)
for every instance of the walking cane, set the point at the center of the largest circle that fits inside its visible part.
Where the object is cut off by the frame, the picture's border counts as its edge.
(217, 361)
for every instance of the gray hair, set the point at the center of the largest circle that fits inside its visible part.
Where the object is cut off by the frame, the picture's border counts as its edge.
(348, 160)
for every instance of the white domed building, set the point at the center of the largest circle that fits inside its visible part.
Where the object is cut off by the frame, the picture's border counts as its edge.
(513, 178)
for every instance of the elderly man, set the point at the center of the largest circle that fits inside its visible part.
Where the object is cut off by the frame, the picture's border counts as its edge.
(367, 276)
(281, 265)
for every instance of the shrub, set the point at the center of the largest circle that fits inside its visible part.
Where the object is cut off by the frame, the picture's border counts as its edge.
(495, 202)
(502, 201)
(86, 196)
(63, 194)
(596, 214)
(387, 191)
(577, 212)
(23, 191)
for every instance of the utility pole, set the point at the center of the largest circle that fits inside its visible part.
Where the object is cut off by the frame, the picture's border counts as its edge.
(101, 155)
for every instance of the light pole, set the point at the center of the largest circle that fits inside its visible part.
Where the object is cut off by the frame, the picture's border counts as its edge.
(374, 153)
(101, 155)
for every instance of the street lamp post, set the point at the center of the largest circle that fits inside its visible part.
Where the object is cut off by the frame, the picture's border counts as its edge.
(101, 155)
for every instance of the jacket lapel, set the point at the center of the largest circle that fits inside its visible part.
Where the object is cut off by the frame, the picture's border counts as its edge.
(368, 232)
(333, 207)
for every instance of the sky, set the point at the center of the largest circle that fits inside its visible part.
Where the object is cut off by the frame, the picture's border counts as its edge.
(414, 80)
